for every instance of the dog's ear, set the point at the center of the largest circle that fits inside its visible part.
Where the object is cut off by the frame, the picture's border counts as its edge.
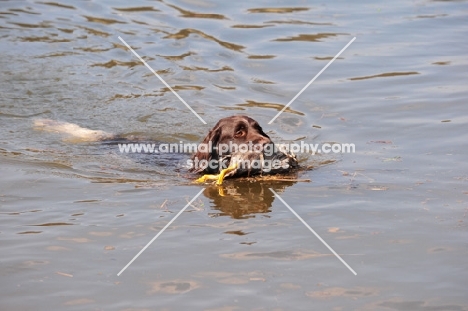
(261, 132)
(209, 151)
(257, 126)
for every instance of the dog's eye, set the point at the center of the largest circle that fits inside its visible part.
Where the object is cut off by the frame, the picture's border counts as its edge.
(240, 131)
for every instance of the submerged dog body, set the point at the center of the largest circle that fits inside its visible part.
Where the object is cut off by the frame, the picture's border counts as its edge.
(240, 147)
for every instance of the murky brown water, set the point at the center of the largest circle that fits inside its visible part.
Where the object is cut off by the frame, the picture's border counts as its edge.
(73, 215)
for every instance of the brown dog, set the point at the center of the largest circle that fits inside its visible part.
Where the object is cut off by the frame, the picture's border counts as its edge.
(237, 146)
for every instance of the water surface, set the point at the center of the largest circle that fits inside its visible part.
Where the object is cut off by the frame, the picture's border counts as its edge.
(73, 215)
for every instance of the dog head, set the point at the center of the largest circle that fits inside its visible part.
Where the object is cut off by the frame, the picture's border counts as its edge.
(234, 130)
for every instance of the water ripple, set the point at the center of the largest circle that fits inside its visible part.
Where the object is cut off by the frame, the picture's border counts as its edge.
(385, 75)
(184, 33)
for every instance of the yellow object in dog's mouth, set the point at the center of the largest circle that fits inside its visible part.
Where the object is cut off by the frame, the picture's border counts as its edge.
(251, 164)
(220, 177)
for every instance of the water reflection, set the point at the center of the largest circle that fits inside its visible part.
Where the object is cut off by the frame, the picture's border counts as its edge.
(311, 37)
(298, 22)
(385, 75)
(243, 198)
(277, 10)
(137, 9)
(60, 5)
(184, 33)
(190, 14)
(100, 20)
(279, 107)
